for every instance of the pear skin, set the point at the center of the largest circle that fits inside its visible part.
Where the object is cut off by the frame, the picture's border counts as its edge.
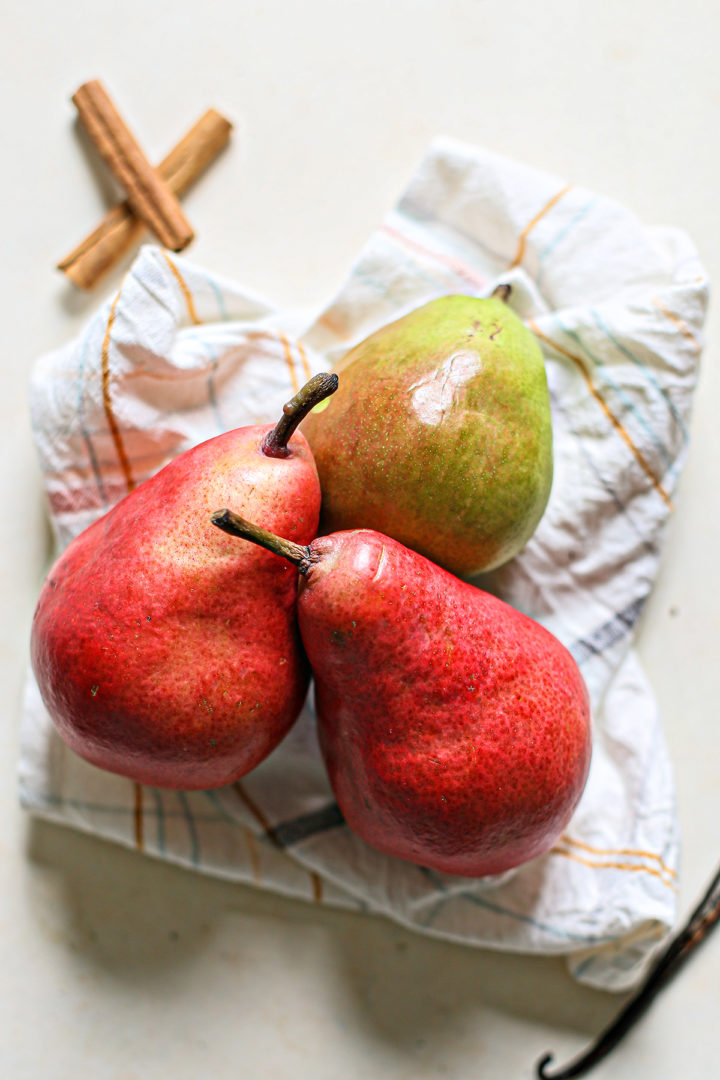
(440, 434)
(456, 731)
(163, 651)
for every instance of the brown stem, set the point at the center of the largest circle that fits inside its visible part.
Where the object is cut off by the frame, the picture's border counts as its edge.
(502, 292)
(696, 929)
(313, 392)
(147, 193)
(235, 525)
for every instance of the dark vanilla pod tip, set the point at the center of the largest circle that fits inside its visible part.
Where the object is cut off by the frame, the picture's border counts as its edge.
(702, 920)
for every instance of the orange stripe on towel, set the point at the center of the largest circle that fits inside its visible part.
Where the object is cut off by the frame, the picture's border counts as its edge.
(138, 816)
(624, 434)
(187, 295)
(259, 815)
(107, 399)
(304, 361)
(628, 867)
(520, 253)
(290, 363)
(637, 852)
(680, 323)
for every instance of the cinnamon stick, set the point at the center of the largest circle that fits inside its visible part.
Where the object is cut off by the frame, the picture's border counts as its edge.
(147, 194)
(120, 230)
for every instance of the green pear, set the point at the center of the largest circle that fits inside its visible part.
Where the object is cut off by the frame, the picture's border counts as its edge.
(440, 434)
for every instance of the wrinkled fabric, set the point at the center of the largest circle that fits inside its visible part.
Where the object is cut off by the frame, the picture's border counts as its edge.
(181, 354)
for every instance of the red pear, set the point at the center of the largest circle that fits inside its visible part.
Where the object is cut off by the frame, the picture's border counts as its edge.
(456, 730)
(164, 651)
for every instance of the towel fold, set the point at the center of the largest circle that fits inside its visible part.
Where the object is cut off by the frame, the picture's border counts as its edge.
(181, 354)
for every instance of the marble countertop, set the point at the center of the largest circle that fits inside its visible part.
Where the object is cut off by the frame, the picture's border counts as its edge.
(116, 967)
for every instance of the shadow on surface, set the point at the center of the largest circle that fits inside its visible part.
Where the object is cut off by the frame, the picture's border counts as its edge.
(142, 921)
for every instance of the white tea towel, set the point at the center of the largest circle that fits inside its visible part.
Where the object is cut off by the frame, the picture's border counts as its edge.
(180, 354)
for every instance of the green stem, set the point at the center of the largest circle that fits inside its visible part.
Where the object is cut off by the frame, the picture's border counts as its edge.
(275, 443)
(235, 525)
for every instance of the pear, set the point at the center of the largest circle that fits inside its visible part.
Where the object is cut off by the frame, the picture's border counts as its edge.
(163, 651)
(440, 434)
(456, 731)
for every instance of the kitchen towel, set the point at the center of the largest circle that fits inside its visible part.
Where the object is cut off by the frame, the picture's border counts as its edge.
(180, 354)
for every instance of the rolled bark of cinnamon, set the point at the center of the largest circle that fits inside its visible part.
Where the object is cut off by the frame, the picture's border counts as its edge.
(147, 193)
(121, 229)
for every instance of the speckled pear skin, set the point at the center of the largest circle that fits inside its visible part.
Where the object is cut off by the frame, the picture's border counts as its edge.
(440, 435)
(456, 731)
(164, 650)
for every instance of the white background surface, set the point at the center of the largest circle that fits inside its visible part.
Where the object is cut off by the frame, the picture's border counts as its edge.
(112, 966)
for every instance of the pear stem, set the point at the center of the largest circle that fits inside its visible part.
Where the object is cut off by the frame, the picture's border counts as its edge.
(502, 292)
(275, 443)
(235, 525)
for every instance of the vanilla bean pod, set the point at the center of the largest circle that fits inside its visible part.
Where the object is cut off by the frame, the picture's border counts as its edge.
(696, 929)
